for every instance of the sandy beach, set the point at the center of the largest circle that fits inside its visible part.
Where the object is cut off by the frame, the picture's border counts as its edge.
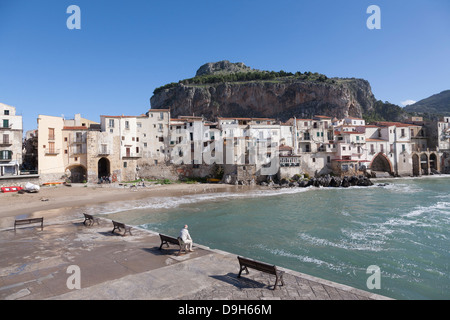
(56, 201)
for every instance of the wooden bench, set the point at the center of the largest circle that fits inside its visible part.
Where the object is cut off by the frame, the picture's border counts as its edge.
(119, 225)
(260, 266)
(168, 239)
(91, 219)
(29, 221)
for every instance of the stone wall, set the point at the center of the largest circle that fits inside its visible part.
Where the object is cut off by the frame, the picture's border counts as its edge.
(19, 181)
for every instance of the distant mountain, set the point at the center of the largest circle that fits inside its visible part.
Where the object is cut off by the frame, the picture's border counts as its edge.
(436, 105)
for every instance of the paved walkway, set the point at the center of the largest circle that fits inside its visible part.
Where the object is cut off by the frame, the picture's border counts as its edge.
(34, 265)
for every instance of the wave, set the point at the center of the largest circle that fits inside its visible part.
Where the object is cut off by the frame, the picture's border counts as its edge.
(366, 244)
(306, 259)
(174, 202)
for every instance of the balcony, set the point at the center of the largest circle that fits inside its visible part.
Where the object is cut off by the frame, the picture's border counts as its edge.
(133, 155)
(78, 149)
(5, 143)
(6, 127)
(104, 152)
(52, 152)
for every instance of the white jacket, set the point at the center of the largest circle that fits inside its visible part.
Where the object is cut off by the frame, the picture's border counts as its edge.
(184, 235)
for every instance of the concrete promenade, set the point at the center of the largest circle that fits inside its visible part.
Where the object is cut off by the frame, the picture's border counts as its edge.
(34, 266)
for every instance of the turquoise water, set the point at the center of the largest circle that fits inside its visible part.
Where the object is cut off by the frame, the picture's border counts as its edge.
(335, 234)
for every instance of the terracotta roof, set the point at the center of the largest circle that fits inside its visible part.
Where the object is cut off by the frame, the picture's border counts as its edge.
(75, 128)
(326, 117)
(230, 118)
(397, 124)
(375, 140)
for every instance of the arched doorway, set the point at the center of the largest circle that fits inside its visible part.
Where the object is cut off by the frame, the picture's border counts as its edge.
(424, 163)
(77, 174)
(103, 168)
(416, 165)
(433, 162)
(445, 162)
(381, 163)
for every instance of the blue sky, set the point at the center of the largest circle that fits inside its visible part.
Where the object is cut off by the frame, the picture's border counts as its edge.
(126, 49)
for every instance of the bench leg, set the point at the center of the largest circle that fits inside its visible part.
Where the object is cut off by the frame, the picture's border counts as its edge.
(276, 281)
(242, 269)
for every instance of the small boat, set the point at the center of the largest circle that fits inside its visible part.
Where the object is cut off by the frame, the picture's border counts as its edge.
(11, 189)
(51, 183)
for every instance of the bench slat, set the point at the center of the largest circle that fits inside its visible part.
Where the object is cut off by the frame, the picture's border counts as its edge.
(168, 239)
(260, 266)
(118, 225)
(29, 221)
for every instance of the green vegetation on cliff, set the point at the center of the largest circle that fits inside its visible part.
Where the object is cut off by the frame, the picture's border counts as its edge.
(248, 76)
(385, 111)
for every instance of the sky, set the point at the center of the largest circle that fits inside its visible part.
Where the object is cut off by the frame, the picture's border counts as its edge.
(126, 49)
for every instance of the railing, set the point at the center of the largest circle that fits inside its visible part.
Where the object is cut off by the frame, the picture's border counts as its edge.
(133, 155)
(104, 152)
(52, 152)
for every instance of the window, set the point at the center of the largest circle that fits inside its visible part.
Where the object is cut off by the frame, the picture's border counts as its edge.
(111, 123)
(372, 149)
(139, 124)
(6, 113)
(5, 155)
(6, 139)
(5, 123)
(51, 133)
(51, 147)
(127, 124)
(403, 148)
(125, 164)
(403, 132)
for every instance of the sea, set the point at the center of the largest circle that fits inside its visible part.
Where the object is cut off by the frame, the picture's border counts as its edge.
(401, 226)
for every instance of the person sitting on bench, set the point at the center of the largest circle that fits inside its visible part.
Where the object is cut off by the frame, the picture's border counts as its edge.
(186, 238)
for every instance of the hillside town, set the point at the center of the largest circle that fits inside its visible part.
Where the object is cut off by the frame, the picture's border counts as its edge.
(153, 145)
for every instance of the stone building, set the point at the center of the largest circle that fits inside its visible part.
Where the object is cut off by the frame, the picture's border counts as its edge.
(11, 138)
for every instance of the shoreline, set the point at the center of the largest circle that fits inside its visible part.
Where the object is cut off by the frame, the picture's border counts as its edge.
(58, 201)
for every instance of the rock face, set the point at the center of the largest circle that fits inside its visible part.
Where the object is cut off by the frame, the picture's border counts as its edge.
(224, 66)
(281, 98)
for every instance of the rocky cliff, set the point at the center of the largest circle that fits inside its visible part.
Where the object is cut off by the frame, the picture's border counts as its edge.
(282, 97)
